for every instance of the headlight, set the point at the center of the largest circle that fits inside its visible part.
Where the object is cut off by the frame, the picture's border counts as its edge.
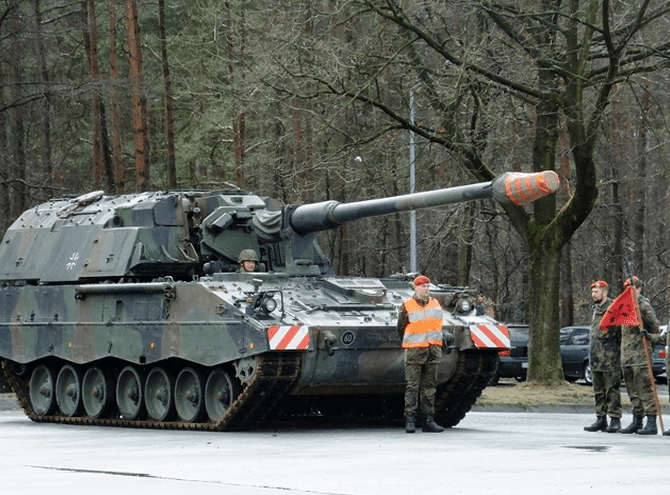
(466, 305)
(269, 304)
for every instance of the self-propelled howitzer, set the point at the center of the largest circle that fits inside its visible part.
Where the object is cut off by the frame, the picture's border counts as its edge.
(129, 310)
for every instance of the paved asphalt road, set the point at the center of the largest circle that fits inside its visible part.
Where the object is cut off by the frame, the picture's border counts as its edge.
(487, 453)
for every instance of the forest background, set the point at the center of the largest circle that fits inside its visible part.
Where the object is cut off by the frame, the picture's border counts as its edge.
(309, 100)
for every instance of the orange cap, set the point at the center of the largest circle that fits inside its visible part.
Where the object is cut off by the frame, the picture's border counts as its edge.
(600, 284)
(420, 280)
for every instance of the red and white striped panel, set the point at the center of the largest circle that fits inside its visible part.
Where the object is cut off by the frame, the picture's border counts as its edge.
(490, 336)
(288, 338)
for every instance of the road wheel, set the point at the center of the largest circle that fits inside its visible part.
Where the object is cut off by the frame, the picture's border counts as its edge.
(220, 393)
(188, 395)
(97, 392)
(68, 390)
(158, 397)
(588, 374)
(42, 390)
(130, 393)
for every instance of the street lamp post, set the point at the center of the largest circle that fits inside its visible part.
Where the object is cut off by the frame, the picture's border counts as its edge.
(412, 186)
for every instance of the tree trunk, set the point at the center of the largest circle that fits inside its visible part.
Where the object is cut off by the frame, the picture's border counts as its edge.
(544, 253)
(104, 147)
(43, 85)
(567, 305)
(618, 158)
(544, 361)
(139, 104)
(615, 265)
(567, 299)
(91, 54)
(17, 176)
(102, 162)
(238, 117)
(5, 204)
(638, 224)
(170, 164)
(117, 148)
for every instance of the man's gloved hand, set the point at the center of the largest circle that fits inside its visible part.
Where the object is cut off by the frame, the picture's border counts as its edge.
(645, 334)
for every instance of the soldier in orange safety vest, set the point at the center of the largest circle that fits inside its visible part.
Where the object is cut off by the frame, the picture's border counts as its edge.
(420, 329)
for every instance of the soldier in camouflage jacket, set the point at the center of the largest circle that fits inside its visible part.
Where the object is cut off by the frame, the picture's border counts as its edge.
(634, 366)
(605, 360)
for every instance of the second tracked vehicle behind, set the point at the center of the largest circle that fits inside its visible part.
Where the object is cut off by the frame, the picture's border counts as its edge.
(129, 310)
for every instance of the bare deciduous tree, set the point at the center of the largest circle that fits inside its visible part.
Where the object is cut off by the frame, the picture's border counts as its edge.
(558, 60)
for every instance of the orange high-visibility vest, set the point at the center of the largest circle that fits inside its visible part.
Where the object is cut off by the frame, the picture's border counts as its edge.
(425, 324)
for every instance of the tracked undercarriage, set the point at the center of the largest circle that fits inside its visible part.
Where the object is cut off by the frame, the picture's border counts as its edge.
(271, 382)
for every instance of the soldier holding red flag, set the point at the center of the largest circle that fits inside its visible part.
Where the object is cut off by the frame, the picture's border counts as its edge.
(605, 360)
(635, 368)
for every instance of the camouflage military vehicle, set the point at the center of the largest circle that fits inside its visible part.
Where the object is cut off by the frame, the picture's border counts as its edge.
(129, 310)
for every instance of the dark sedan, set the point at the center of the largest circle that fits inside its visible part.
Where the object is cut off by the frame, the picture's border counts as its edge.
(513, 362)
(575, 354)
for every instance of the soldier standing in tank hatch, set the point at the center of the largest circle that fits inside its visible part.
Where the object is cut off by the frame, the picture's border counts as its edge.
(420, 330)
(247, 260)
(605, 359)
(634, 366)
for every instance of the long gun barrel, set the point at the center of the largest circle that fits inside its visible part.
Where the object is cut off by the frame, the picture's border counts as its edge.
(516, 188)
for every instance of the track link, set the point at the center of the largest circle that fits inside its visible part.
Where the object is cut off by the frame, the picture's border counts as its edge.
(455, 398)
(274, 377)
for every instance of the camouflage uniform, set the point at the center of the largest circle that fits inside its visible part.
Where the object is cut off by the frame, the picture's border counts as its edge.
(605, 359)
(421, 364)
(634, 362)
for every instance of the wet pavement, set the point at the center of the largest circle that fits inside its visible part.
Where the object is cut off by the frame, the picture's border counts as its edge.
(488, 452)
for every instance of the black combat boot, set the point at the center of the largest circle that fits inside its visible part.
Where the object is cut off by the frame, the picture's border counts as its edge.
(410, 423)
(666, 433)
(599, 425)
(431, 426)
(634, 426)
(650, 427)
(615, 426)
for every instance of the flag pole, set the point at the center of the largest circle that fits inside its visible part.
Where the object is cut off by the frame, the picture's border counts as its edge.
(645, 345)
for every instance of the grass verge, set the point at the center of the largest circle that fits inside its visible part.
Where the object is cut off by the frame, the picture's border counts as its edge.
(528, 395)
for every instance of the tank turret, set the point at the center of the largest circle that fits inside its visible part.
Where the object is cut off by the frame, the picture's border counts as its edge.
(184, 234)
(130, 310)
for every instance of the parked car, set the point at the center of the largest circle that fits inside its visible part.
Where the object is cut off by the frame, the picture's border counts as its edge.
(513, 362)
(660, 351)
(574, 343)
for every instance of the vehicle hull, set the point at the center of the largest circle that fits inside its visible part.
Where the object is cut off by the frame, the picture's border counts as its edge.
(202, 327)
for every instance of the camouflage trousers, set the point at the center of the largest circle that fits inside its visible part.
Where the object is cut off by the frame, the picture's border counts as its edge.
(421, 375)
(606, 390)
(638, 386)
